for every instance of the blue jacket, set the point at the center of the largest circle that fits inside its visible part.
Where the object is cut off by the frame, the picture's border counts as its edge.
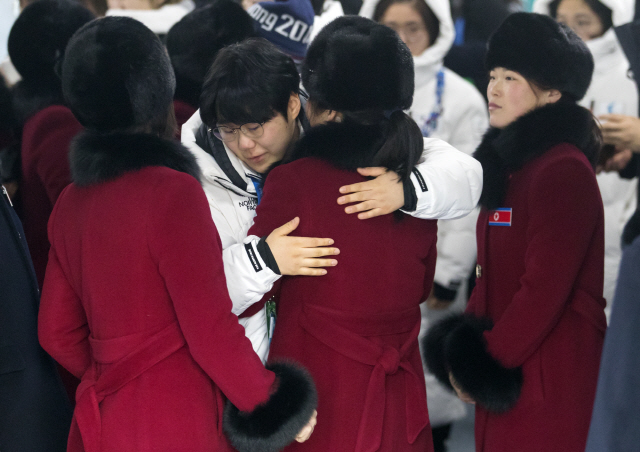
(615, 424)
(35, 413)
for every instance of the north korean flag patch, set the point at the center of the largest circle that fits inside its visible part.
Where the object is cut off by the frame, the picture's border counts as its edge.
(500, 217)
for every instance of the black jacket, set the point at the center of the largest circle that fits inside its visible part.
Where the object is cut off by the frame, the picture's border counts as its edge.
(35, 413)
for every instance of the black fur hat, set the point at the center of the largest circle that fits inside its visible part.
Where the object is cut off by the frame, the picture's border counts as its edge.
(546, 52)
(116, 74)
(195, 40)
(39, 36)
(356, 64)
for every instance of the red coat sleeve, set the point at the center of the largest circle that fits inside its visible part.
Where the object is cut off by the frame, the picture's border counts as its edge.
(53, 162)
(565, 207)
(63, 330)
(186, 245)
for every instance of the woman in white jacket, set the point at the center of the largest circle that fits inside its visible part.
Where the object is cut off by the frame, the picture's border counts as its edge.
(612, 90)
(448, 107)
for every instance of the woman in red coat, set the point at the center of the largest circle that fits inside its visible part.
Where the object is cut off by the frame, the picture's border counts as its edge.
(356, 328)
(37, 39)
(528, 349)
(134, 300)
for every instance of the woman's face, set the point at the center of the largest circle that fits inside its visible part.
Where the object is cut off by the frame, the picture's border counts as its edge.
(408, 23)
(578, 16)
(279, 133)
(510, 96)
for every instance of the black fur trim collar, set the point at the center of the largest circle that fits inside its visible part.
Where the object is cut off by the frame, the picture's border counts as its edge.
(504, 151)
(347, 145)
(96, 157)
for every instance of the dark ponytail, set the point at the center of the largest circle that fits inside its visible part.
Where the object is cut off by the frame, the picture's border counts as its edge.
(403, 146)
(401, 142)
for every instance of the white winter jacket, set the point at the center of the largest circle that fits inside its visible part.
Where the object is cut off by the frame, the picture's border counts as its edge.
(612, 90)
(448, 184)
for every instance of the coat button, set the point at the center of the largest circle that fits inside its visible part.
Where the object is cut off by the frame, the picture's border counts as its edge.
(478, 271)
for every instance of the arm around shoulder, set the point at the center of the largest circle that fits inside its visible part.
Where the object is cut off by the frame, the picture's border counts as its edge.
(447, 182)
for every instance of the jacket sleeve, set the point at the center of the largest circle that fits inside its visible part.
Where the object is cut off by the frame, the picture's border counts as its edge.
(63, 330)
(447, 182)
(457, 238)
(559, 233)
(248, 276)
(456, 251)
(184, 242)
(53, 164)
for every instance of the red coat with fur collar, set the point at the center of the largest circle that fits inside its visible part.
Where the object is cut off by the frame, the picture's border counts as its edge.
(355, 328)
(135, 304)
(528, 350)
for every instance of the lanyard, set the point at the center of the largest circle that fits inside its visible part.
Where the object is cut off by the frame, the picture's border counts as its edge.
(432, 123)
(257, 183)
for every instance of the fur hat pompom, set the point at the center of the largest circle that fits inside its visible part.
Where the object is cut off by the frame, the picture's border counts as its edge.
(543, 51)
(356, 64)
(40, 34)
(116, 74)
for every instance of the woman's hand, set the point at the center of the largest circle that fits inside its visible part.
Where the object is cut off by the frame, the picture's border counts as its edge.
(621, 131)
(300, 255)
(618, 162)
(461, 394)
(380, 196)
(307, 430)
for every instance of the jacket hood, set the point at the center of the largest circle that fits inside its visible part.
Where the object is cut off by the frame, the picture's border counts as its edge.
(157, 20)
(430, 61)
(505, 151)
(622, 10)
(95, 157)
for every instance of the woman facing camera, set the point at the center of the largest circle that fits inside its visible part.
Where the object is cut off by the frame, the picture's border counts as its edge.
(356, 328)
(135, 300)
(528, 349)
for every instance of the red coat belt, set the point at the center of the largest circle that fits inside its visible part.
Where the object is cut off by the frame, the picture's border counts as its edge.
(128, 357)
(386, 360)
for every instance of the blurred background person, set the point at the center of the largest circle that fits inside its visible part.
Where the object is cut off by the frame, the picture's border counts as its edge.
(448, 107)
(475, 21)
(612, 91)
(193, 43)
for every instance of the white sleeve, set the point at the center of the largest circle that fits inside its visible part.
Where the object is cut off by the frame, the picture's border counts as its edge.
(457, 238)
(248, 277)
(456, 250)
(448, 182)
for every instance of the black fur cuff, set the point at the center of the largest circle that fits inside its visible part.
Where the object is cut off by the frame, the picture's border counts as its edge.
(274, 425)
(456, 345)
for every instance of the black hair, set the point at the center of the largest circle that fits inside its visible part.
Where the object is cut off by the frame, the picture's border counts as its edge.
(401, 142)
(195, 40)
(430, 20)
(251, 81)
(600, 9)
